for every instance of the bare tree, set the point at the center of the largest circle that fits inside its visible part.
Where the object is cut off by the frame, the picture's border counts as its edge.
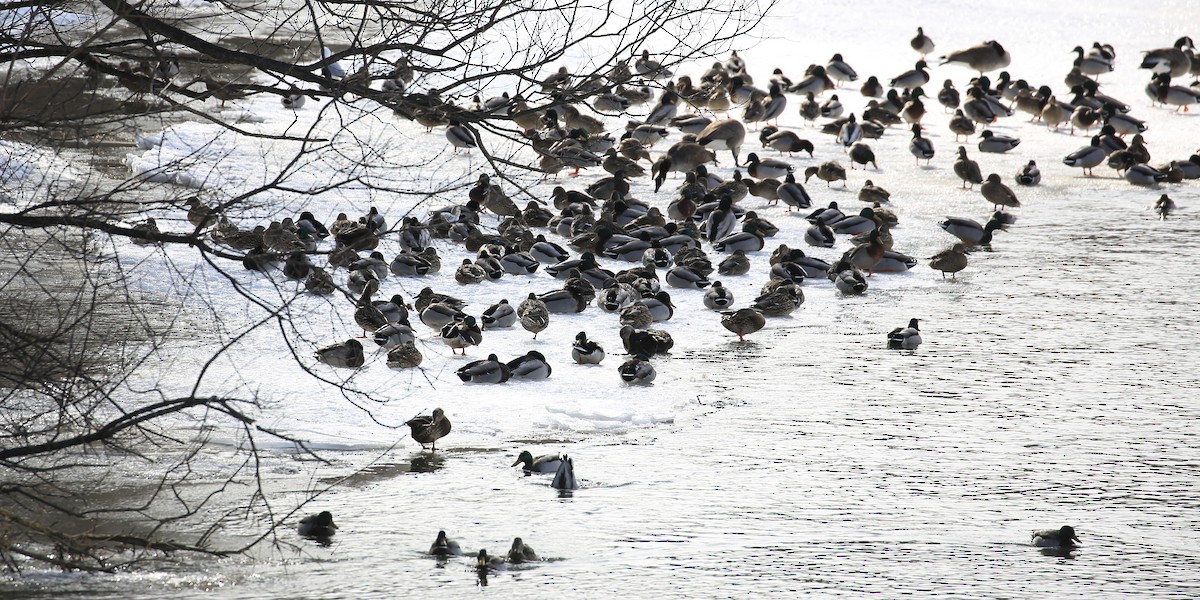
(85, 403)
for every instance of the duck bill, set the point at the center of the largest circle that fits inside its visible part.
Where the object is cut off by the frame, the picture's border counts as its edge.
(516, 463)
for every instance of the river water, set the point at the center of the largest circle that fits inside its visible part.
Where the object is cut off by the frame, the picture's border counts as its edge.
(1054, 387)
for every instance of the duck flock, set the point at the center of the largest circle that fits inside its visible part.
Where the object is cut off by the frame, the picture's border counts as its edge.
(661, 229)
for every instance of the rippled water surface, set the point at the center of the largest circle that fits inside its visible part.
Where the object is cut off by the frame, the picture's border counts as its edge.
(1055, 386)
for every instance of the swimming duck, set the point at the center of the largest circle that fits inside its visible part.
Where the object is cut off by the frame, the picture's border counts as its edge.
(1164, 206)
(743, 322)
(988, 56)
(485, 563)
(921, 43)
(320, 525)
(967, 169)
(547, 463)
(950, 261)
(531, 366)
(444, 546)
(648, 342)
(520, 552)
(347, 354)
(636, 370)
(429, 429)
(997, 193)
(462, 334)
(534, 314)
(1029, 175)
(905, 338)
(920, 147)
(997, 144)
(564, 477)
(585, 351)
(1063, 537)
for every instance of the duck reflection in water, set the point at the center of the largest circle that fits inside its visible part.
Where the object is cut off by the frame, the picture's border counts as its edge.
(426, 462)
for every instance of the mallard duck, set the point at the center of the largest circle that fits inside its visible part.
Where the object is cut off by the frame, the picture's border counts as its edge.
(547, 463)
(868, 255)
(863, 222)
(499, 315)
(347, 354)
(648, 342)
(531, 366)
(394, 333)
(779, 303)
(920, 147)
(1029, 175)
(1087, 157)
(718, 297)
(997, 144)
(444, 546)
(440, 314)
(967, 169)
(585, 351)
(427, 296)
(819, 234)
(462, 334)
(404, 355)
(997, 193)
(828, 172)
(488, 370)
(636, 370)
(905, 338)
(912, 78)
(849, 133)
(567, 300)
(367, 315)
(743, 322)
(961, 125)
(1063, 537)
(1144, 175)
(320, 525)
(428, 429)
(785, 141)
(850, 282)
(950, 261)
(520, 552)
(636, 314)
(988, 56)
(564, 477)
(686, 277)
(861, 154)
(736, 264)
(533, 314)
(766, 167)
(873, 193)
(921, 43)
(319, 282)
(872, 88)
